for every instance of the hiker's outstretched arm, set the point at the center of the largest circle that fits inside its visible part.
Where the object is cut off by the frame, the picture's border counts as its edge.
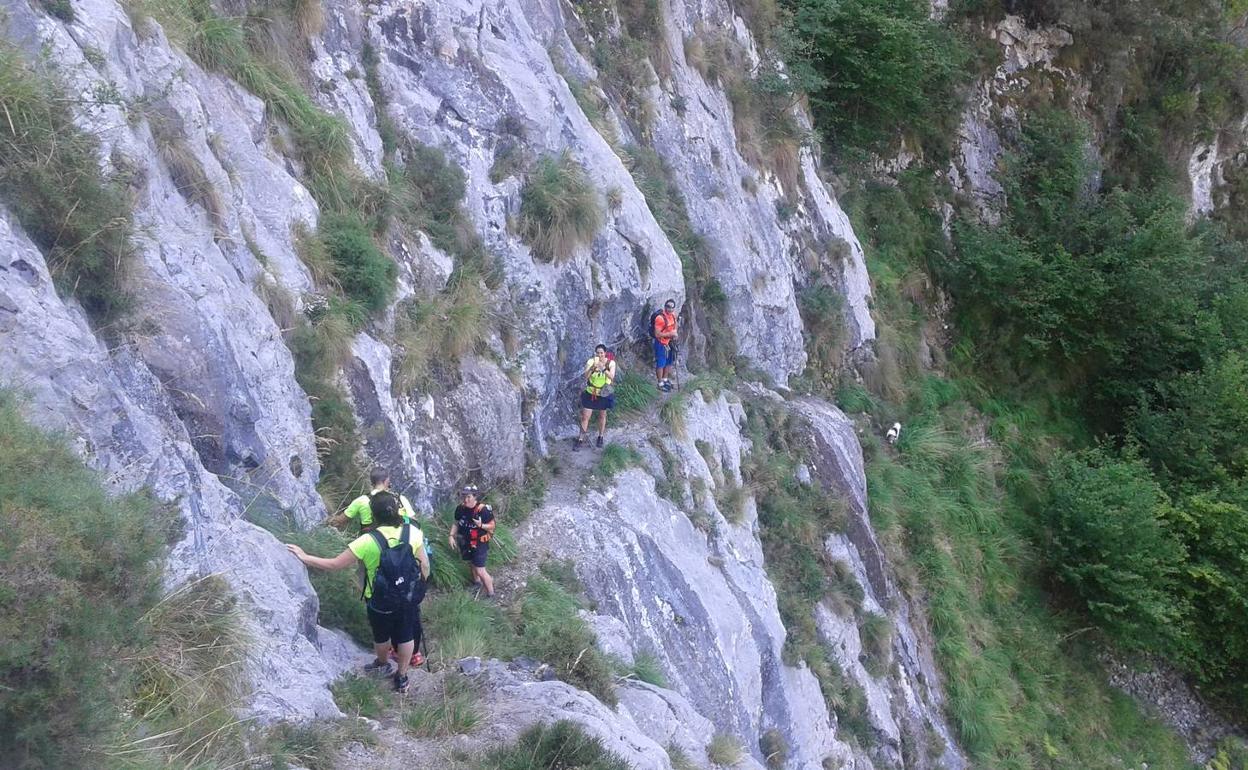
(454, 532)
(341, 561)
(424, 563)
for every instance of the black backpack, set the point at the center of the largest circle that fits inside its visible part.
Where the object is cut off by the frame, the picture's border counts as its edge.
(650, 325)
(397, 582)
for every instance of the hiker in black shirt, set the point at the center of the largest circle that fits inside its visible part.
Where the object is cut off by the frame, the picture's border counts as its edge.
(471, 534)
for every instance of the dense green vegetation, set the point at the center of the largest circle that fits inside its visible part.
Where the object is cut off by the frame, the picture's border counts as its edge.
(1108, 297)
(964, 521)
(92, 659)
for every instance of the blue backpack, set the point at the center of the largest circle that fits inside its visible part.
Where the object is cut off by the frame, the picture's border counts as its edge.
(397, 582)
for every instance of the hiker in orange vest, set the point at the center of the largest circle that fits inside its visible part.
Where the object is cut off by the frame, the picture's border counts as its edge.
(471, 534)
(664, 334)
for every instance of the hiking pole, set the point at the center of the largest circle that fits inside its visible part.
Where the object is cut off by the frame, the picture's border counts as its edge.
(675, 362)
(424, 650)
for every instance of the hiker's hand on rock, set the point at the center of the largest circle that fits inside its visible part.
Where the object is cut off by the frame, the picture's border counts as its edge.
(296, 550)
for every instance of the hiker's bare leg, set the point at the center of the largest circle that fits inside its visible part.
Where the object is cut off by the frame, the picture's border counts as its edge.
(602, 422)
(405, 656)
(585, 420)
(658, 374)
(382, 651)
(486, 581)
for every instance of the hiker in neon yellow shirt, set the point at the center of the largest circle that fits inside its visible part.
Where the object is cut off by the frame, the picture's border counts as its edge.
(359, 508)
(400, 628)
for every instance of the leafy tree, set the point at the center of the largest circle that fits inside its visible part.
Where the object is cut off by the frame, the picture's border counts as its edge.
(1215, 583)
(1199, 438)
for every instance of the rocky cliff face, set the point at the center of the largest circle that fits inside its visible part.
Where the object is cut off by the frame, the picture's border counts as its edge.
(196, 397)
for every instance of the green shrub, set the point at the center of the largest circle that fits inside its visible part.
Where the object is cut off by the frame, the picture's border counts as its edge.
(452, 712)
(365, 274)
(672, 413)
(679, 759)
(871, 68)
(876, 633)
(824, 322)
(61, 9)
(561, 746)
(437, 334)
(559, 208)
(313, 746)
(1101, 287)
(724, 750)
(1112, 545)
(320, 346)
(551, 629)
(634, 392)
(647, 668)
(616, 458)
(563, 573)
(190, 679)
(428, 193)
(50, 180)
(731, 500)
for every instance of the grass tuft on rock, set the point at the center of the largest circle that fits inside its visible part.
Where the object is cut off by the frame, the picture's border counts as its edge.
(454, 711)
(724, 750)
(50, 180)
(559, 208)
(560, 746)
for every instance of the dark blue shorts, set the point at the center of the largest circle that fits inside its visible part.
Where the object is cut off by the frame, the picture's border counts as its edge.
(476, 556)
(596, 402)
(662, 359)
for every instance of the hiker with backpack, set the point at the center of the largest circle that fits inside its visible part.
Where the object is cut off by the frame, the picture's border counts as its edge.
(396, 572)
(663, 333)
(471, 534)
(360, 510)
(598, 395)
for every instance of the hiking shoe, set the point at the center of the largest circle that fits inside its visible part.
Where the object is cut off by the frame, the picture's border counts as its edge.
(576, 444)
(373, 668)
(400, 684)
(666, 387)
(418, 660)
(598, 443)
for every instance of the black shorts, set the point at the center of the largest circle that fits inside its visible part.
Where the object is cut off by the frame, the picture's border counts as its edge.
(476, 556)
(396, 628)
(596, 402)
